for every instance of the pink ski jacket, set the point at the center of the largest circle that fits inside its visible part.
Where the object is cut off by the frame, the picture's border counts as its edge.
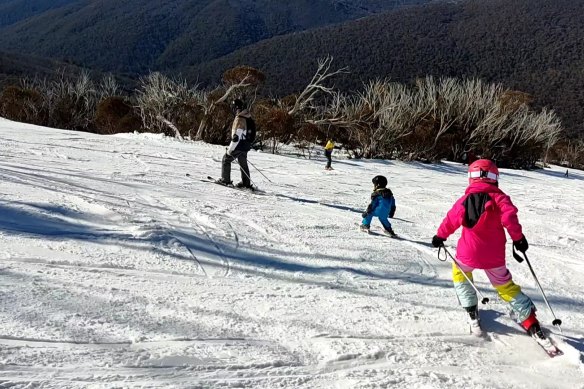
(482, 212)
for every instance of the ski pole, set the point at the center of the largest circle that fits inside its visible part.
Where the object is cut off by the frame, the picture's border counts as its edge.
(484, 299)
(247, 175)
(556, 322)
(260, 172)
(244, 172)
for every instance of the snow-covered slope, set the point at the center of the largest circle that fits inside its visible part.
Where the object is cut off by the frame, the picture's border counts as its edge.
(118, 270)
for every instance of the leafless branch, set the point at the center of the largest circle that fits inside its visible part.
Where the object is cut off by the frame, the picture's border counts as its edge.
(316, 84)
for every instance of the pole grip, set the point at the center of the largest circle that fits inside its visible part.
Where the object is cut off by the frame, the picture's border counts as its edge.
(517, 257)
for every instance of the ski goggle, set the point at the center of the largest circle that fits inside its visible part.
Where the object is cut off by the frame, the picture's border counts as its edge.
(483, 174)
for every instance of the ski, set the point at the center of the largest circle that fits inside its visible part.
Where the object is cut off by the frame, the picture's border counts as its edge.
(547, 344)
(476, 329)
(385, 233)
(474, 322)
(366, 230)
(212, 180)
(552, 351)
(392, 236)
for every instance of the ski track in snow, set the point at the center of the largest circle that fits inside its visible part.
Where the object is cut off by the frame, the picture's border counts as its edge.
(117, 270)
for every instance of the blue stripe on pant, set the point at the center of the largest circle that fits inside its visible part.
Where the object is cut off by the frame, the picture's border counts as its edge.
(464, 290)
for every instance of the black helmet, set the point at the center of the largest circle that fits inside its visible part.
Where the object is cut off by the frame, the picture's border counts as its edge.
(237, 104)
(379, 181)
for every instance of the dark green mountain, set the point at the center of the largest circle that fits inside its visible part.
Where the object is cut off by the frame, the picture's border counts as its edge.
(534, 46)
(13, 11)
(142, 35)
(14, 67)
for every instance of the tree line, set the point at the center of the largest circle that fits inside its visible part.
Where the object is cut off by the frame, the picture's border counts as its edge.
(430, 120)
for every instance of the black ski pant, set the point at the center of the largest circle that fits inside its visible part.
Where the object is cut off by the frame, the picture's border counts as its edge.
(241, 157)
(329, 158)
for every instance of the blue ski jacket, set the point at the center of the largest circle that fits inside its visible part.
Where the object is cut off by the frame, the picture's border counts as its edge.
(382, 203)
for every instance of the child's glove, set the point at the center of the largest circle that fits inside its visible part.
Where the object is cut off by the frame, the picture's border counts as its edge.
(364, 214)
(521, 244)
(392, 212)
(438, 241)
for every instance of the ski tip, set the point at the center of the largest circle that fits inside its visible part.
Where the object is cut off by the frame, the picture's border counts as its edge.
(556, 352)
(549, 346)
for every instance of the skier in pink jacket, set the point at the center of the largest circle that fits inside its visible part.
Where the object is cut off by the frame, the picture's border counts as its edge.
(483, 212)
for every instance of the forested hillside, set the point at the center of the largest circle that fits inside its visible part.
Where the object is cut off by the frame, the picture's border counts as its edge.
(13, 11)
(136, 36)
(534, 46)
(14, 67)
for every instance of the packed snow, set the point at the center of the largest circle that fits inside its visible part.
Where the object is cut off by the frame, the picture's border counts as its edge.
(117, 270)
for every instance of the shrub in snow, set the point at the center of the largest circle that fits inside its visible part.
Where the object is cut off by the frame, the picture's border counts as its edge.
(22, 105)
(116, 115)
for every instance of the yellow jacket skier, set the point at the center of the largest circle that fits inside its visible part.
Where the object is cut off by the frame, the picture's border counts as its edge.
(328, 152)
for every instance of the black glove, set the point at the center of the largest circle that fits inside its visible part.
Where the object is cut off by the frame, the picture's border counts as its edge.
(437, 241)
(392, 212)
(364, 214)
(521, 244)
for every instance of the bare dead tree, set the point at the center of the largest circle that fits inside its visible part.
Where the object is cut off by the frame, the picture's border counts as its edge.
(171, 126)
(572, 154)
(208, 104)
(108, 87)
(553, 130)
(316, 84)
(162, 102)
(477, 116)
(235, 80)
(69, 102)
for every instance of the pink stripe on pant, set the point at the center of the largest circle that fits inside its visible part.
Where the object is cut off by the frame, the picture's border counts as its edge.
(498, 275)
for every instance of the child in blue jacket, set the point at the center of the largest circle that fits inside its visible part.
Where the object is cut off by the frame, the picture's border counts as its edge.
(382, 205)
